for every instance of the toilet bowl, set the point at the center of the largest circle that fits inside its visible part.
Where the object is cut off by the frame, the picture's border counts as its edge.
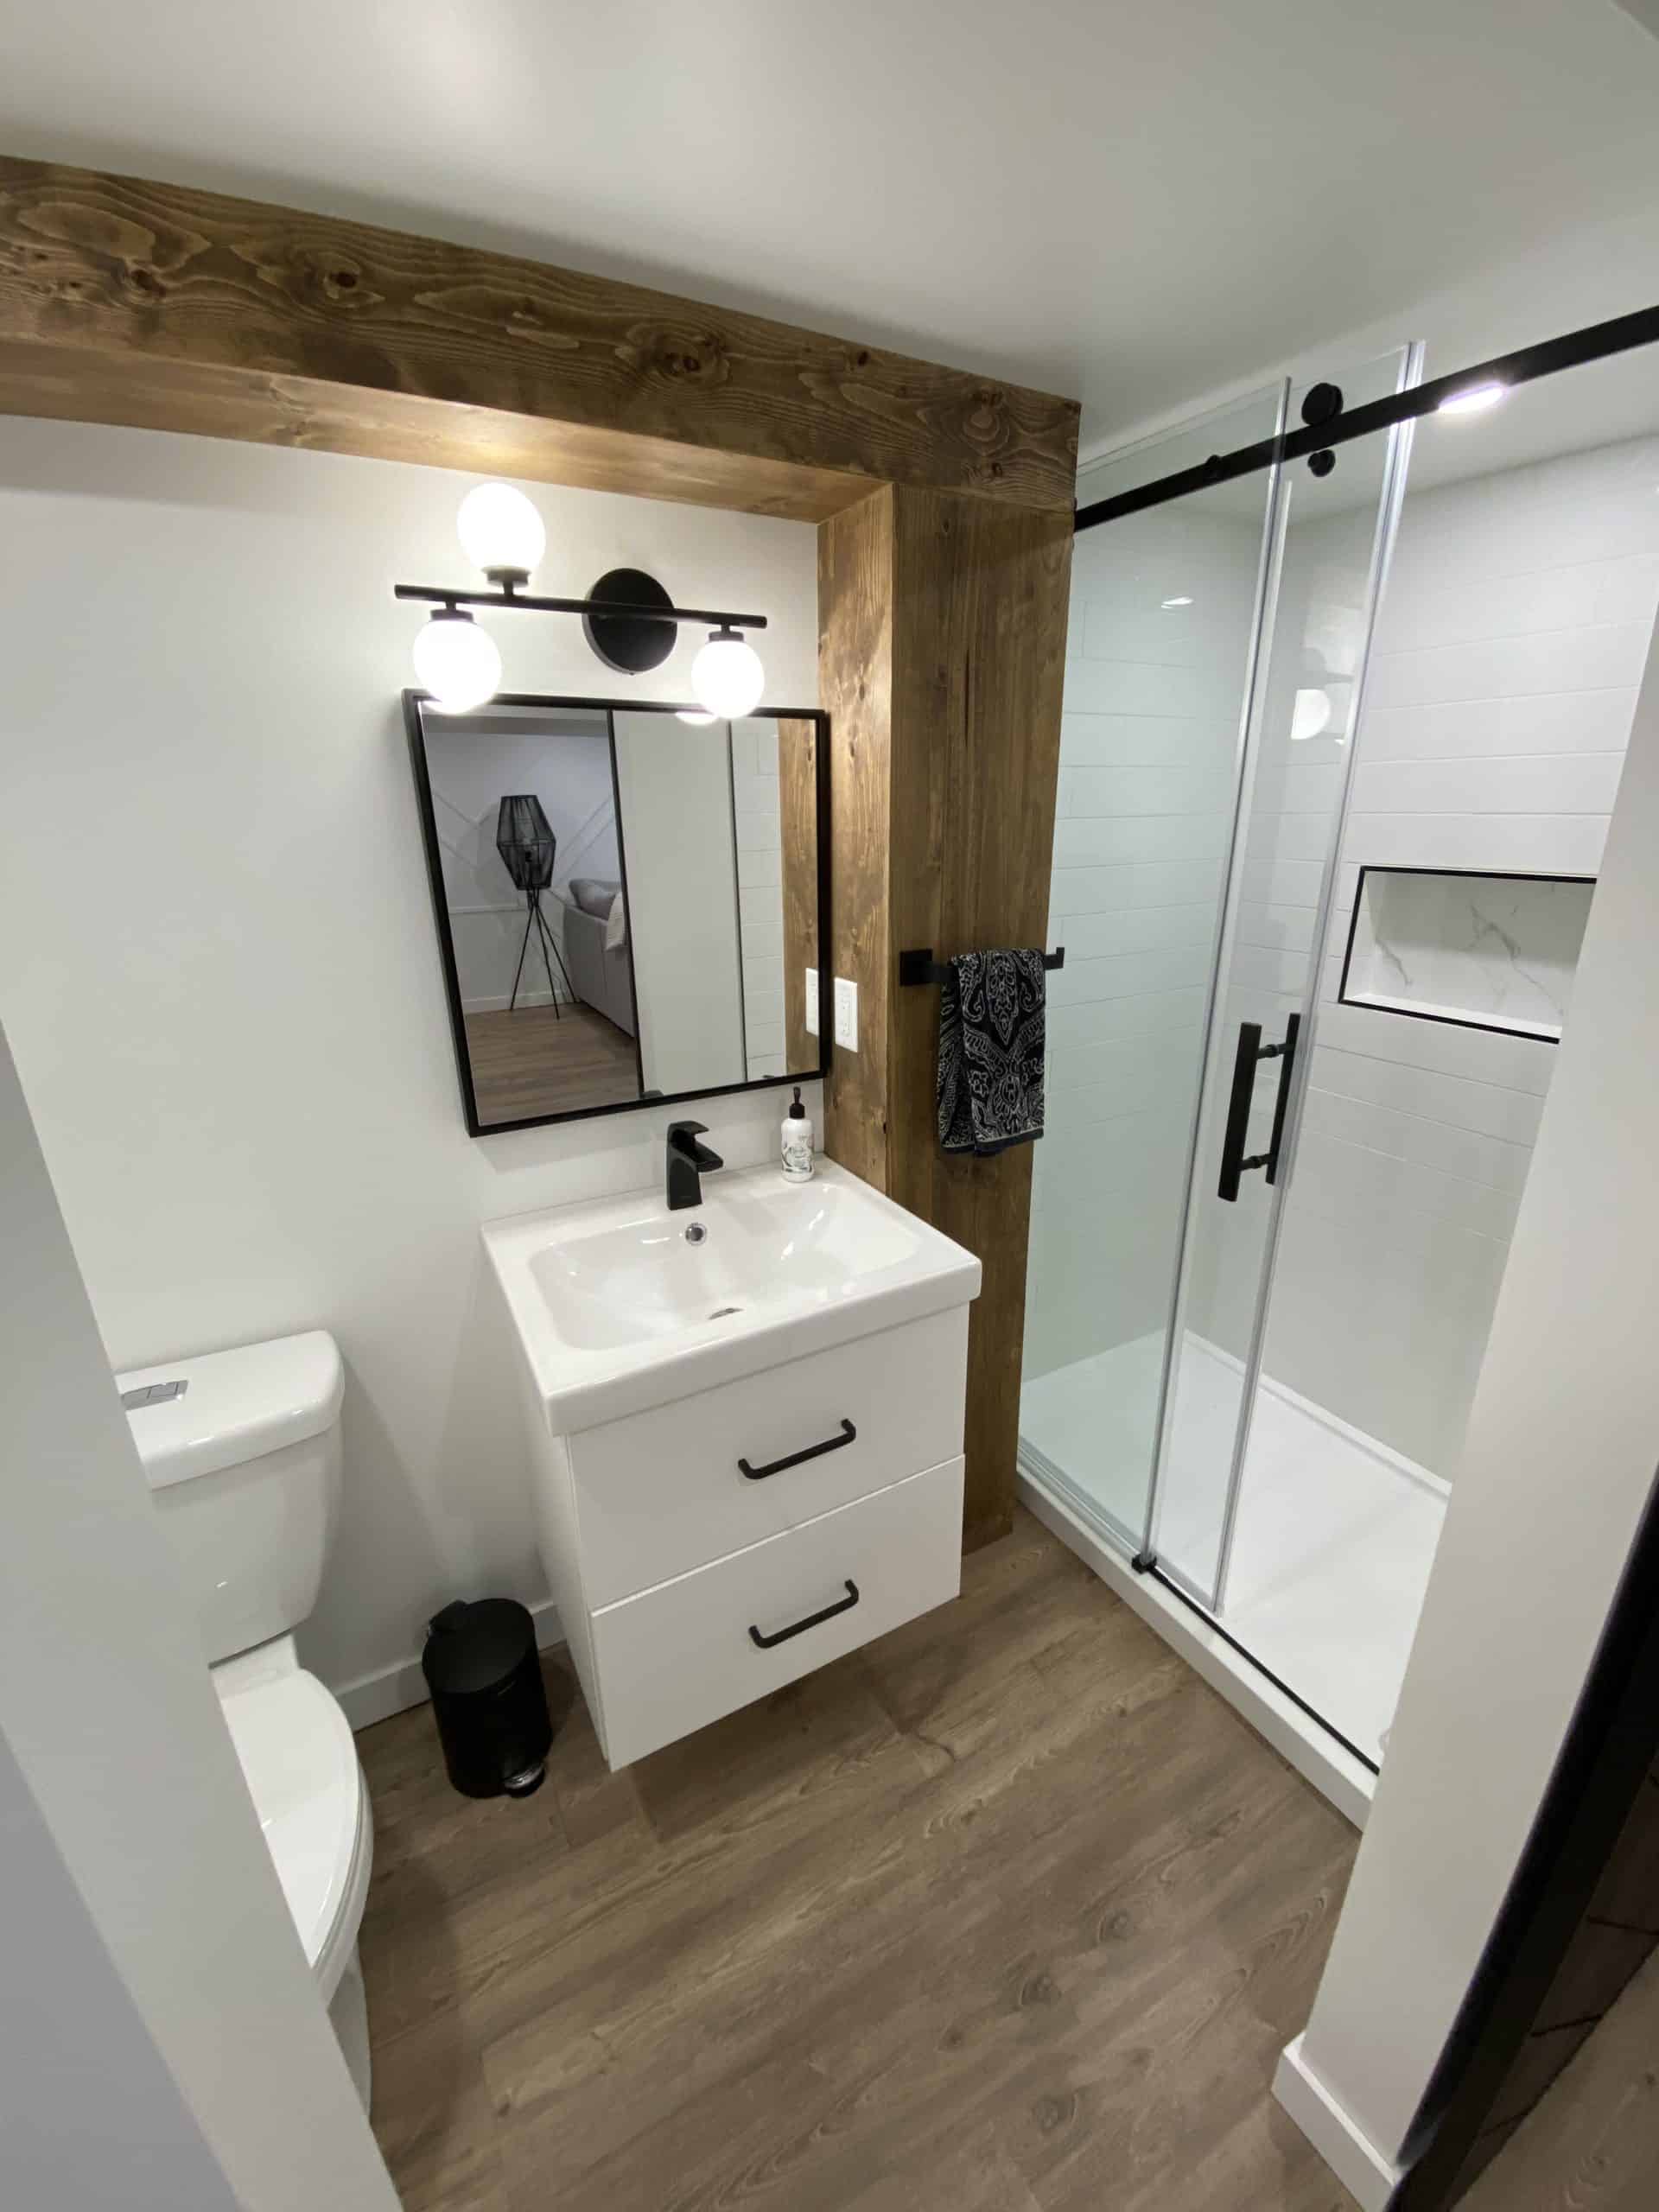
(243, 1465)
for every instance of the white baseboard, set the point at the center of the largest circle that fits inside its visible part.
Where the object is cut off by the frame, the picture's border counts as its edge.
(1351, 2156)
(502, 1000)
(394, 1689)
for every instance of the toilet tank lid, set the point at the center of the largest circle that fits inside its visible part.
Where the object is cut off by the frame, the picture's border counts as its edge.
(238, 1405)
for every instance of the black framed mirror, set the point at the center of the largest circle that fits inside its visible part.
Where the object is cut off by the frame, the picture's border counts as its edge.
(630, 901)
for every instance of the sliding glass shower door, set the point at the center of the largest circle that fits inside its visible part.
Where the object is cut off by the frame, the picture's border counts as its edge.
(1215, 656)
(1331, 534)
(1166, 629)
(1273, 1209)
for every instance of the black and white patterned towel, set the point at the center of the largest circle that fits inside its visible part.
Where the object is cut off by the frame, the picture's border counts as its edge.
(991, 1044)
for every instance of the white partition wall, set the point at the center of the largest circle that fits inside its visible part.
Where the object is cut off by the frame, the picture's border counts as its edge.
(127, 1785)
(1560, 1459)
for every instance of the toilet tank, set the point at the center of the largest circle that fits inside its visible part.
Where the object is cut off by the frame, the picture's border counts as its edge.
(244, 1464)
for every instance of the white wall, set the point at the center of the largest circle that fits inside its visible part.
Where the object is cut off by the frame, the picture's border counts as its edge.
(1563, 1444)
(175, 1972)
(1509, 646)
(89, 2114)
(228, 1012)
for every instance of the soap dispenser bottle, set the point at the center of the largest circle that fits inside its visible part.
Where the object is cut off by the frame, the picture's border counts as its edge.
(798, 1142)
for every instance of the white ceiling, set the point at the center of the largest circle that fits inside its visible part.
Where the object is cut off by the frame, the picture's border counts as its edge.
(1133, 204)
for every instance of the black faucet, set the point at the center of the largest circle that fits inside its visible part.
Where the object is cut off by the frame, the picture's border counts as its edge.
(687, 1161)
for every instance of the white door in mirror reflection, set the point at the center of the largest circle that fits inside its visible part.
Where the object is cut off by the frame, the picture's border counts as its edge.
(675, 783)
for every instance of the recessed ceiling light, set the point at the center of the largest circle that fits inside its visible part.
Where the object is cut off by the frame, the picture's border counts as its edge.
(1178, 602)
(1473, 402)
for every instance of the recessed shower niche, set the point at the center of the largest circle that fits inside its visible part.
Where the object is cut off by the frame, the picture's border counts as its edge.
(1490, 951)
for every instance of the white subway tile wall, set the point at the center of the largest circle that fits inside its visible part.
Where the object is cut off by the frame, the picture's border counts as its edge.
(1503, 682)
(1149, 763)
(1509, 647)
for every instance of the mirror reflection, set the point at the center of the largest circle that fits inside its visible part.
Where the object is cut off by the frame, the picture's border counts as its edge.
(628, 903)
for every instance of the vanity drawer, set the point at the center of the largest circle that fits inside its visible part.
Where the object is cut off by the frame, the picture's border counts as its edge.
(662, 1492)
(673, 1659)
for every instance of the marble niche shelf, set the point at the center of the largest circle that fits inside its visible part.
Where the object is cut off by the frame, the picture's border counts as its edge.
(1486, 951)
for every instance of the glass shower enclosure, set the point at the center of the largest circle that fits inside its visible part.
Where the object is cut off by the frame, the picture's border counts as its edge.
(1336, 766)
(1217, 659)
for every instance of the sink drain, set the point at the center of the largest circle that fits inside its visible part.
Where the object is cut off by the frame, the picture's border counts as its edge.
(720, 1311)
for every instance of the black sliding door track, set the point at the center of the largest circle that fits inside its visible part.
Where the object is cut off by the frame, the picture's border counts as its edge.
(1147, 1565)
(1596, 341)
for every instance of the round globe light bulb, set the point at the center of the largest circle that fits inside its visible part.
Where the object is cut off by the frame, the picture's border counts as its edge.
(458, 663)
(1310, 715)
(500, 531)
(726, 677)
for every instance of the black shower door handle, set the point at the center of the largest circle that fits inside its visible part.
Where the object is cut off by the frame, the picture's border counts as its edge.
(813, 1620)
(1280, 1105)
(1250, 1052)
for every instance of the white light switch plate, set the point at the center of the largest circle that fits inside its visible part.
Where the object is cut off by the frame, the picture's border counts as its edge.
(811, 1002)
(846, 1013)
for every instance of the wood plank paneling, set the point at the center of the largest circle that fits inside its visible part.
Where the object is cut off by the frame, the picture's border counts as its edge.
(191, 310)
(797, 801)
(980, 666)
(973, 670)
(855, 632)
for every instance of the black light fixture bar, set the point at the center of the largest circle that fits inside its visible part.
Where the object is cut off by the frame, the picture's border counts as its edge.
(508, 595)
(1596, 341)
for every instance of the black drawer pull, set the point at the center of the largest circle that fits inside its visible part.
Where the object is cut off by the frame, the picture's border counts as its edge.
(813, 1620)
(797, 1458)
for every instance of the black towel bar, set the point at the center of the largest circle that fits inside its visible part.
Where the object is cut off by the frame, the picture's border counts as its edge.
(922, 967)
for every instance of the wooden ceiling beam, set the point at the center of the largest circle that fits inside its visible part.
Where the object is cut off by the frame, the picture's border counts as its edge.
(123, 301)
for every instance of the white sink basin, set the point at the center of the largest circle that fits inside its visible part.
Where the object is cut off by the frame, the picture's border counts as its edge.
(617, 1309)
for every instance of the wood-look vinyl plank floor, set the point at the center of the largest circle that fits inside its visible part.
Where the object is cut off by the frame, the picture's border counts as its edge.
(533, 1061)
(1006, 1909)
(1592, 2143)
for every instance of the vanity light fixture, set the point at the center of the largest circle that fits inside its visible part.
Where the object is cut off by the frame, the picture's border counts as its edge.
(1475, 400)
(628, 618)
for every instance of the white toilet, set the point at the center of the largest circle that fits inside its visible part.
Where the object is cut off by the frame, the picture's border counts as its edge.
(245, 1465)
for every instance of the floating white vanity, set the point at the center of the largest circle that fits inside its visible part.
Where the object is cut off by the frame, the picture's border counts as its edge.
(744, 1422)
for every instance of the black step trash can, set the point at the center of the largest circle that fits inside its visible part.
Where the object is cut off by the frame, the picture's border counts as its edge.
(482, 1668)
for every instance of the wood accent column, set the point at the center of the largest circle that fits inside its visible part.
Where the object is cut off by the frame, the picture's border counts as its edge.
(797, 801)
(944, 708)
(857, 565)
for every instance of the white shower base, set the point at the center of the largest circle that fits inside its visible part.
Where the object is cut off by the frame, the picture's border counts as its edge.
(1336, 1533)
